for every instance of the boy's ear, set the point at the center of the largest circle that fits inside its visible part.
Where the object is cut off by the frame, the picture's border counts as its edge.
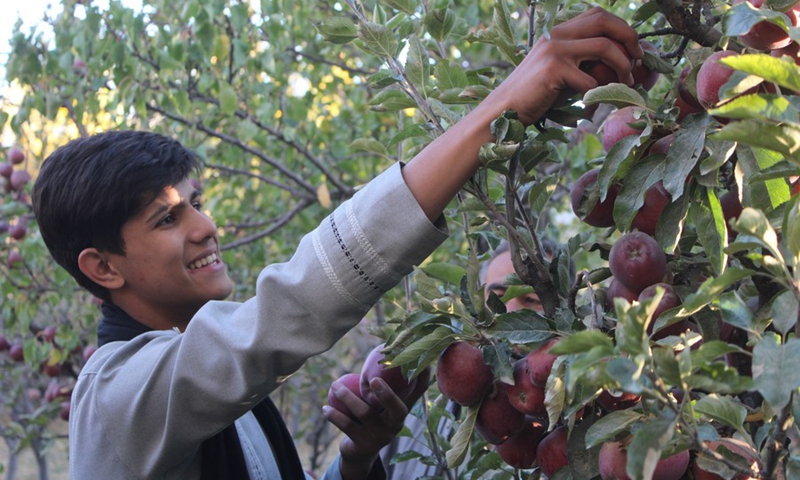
(94, 264)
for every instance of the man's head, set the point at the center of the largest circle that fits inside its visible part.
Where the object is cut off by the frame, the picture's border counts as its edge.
(88, 189)
(495, 270)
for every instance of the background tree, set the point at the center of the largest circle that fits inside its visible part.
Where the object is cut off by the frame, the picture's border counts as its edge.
(293, 105)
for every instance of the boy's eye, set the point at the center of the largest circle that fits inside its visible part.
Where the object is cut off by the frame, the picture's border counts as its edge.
(167, 220)
(197, 205)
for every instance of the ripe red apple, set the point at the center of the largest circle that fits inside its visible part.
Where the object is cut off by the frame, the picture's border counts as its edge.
(670, 299)
(51, 370)
(497, 419)
(540, 362)
(742, 362)
(16, 351)
(642, 74)
(52, 391)
(637, 261)
(613, 461)
(393, 376)
(462, 375)
(18, 179)
(617, 400)
(524, 395)
(4, 226)
(551, 453)
(600, 214)
(617, 290)
(519, 450)
(738, 448)
(4, 343)
(63, 413)
(14, 257)
(352, 382)
(5, 169)
(602, 72)
(713, 75)
(686, 102)
(766, 35)
(655, 199)
(662, 145)
(731, 209)
(617, 125)
(15, 155)
(48, 333)
(792, 50)
(89, 350)
(17, 231)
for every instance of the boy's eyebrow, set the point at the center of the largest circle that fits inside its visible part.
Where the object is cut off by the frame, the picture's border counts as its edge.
(163, 208)
(497, 286)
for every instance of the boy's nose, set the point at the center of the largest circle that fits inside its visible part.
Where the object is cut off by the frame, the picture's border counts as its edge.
(202, 226)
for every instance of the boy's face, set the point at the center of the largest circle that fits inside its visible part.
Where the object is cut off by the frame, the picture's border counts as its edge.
(172, 265)
(498, 269)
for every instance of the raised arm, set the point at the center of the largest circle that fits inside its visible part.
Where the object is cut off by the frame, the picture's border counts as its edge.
(437, 173)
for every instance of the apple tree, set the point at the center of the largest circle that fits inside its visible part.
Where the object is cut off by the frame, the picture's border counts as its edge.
(673, 345)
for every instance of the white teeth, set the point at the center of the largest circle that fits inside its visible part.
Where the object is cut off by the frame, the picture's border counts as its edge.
(203, 262)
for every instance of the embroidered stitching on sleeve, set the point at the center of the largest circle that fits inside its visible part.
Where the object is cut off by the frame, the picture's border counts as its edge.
(331, 273)
(347, 253)
(371, 253)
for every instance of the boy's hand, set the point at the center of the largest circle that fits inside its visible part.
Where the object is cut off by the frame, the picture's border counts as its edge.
(552, 67)
(371, 430)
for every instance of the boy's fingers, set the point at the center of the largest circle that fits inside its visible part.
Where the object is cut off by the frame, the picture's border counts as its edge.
(596, 22)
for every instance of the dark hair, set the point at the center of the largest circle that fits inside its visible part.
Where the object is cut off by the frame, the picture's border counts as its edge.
(89, 188)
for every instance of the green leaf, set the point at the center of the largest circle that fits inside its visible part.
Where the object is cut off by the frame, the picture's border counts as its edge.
(709, 222)
(754, 223)
(583, 341)
(439, 23)
(391, 100)
(521, 327)
(498, 356)
(734, 311)
(791, 229)
(610, 425)
(448, 272)
(783, 138)
(670, 225)
(424, 351)
(722, 409)
(630, 198)
(648, 442)
(405, 6)
(540, 194)
(774, 108)
(369, 145)
(784, 72)
(337, 30)
(411, 131)
(377, 39)
(784, 312)
(775, 372)
(228, 101)
(742, 16)
(617, 94)
(383, 78)
(684, 152)
(460, 441)
(450, 76)
(708, 292)
(418, 67)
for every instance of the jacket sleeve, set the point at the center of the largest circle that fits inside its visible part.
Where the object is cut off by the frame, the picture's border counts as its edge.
(158, 396)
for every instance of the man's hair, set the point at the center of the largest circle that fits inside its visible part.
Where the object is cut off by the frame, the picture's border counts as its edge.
(89, 188)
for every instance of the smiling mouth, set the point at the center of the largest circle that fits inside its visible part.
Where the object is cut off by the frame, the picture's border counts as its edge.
(208, 260)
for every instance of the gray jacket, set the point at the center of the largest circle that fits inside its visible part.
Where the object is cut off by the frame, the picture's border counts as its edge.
(141, 409)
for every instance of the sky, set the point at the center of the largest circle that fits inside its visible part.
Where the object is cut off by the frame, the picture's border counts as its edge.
(30, 11)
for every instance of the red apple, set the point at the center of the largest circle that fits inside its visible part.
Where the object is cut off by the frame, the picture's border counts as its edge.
(524, 395)
(613, 462)
(600, 214)
(642, 74)
(15, 155)
(686, 102)
(497, 419)
(618, 125)
(63, 413)
(51, 370)
(737, 451)
(617, 400)
(670, 299)
(14, 257)
(551, 453)
(637, 261)
(6, 169)
(17, 231)
(352, 382)
(48, 333)
(540, 362)
(16, 351)
(765, 35)
(393, 376)
(731, 209)
(4, 343)
(602, 72)
(52, 391)
(18, 179)
(462, 375)
(655, 199)
(713, 75)
(519, 450)
(617, 290)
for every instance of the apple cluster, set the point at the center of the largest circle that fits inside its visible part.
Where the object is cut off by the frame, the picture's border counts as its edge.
(513, 418)
(359, 383)
(14, 179)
